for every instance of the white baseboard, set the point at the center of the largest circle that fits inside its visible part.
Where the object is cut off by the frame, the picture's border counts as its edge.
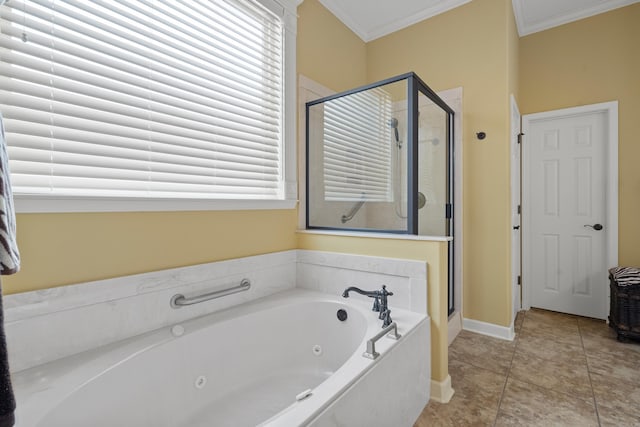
(484, 328)
(454, 326)
(441, 391)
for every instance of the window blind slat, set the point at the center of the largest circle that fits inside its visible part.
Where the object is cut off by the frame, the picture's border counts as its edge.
(123, 158)
(345, 168)
(35, 110)
(248, 35)
(358, 147)
(76, 27)
(33, 83)
(39, 96)
(28, 132)
(335, 147)
(34, 184)
(94, 65)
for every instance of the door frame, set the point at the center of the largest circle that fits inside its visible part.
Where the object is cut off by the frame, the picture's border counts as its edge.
(611, 175)
(516, 200)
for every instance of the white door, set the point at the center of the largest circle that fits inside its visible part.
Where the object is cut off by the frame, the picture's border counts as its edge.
(566, 183)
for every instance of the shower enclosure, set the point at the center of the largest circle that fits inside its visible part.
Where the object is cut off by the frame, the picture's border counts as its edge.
(379, 159)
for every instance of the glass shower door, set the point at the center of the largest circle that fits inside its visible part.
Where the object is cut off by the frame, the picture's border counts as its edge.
(354, 161)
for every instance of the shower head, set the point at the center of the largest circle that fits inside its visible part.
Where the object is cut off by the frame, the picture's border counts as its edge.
(393, 124)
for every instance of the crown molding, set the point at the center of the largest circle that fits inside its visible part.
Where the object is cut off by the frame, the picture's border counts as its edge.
(525, 27)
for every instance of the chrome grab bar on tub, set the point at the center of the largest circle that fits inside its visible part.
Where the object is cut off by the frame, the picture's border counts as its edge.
(179, 300)
(371, 352)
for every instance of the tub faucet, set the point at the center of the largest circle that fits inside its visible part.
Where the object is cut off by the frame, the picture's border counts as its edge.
(379, 302)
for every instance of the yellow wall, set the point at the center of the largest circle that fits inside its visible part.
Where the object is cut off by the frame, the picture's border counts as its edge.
(433, 253)
(468, 47)
(61, 249)
(328, 52)
(585, 62)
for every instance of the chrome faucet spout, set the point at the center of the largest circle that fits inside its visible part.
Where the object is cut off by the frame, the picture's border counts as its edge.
(379, 303)
(371, 294)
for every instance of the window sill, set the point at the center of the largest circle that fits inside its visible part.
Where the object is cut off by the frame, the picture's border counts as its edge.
(375, 235)
(31, 204)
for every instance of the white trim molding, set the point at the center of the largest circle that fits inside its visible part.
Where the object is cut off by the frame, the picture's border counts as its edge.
(370, 29)
(516, 205)
(490, 329)
(530, 26)
(441, 391)
(27, 204)
(454, 325)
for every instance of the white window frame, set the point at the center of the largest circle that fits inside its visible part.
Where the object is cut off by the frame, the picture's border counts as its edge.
(287, 10)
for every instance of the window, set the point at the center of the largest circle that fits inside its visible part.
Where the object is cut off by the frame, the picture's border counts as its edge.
(357, 147)
(143, 100)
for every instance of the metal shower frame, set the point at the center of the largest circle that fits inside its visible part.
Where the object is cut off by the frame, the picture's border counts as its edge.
(414, 86)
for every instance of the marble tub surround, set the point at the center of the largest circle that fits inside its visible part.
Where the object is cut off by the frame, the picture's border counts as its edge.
(560, 370)
(397, 393)
(47, 325)
(331, 273)
(190, 279)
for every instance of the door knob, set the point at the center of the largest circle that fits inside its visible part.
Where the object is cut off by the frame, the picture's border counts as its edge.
(516, 227)
(596, 227)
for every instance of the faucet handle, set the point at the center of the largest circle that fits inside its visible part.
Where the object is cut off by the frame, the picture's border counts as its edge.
(385, 292)
(385, 316)
(376, 304)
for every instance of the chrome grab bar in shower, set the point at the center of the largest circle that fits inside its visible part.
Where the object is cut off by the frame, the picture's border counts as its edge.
(371, 352)
(354, 210)
(180, 300)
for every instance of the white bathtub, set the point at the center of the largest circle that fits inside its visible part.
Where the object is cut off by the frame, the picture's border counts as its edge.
(241, 367)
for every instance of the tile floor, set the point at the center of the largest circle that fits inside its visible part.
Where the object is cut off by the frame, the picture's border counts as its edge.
(561, 370)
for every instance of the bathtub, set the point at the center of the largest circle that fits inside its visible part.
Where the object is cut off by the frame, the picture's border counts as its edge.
(281, 361)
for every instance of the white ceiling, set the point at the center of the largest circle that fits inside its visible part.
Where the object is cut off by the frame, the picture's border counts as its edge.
(371, 19)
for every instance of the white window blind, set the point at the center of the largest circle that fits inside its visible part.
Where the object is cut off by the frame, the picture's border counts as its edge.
(143, 98)
(357, 147)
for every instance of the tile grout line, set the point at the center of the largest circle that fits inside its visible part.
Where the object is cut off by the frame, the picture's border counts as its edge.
(506, 378)
(593, 393)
